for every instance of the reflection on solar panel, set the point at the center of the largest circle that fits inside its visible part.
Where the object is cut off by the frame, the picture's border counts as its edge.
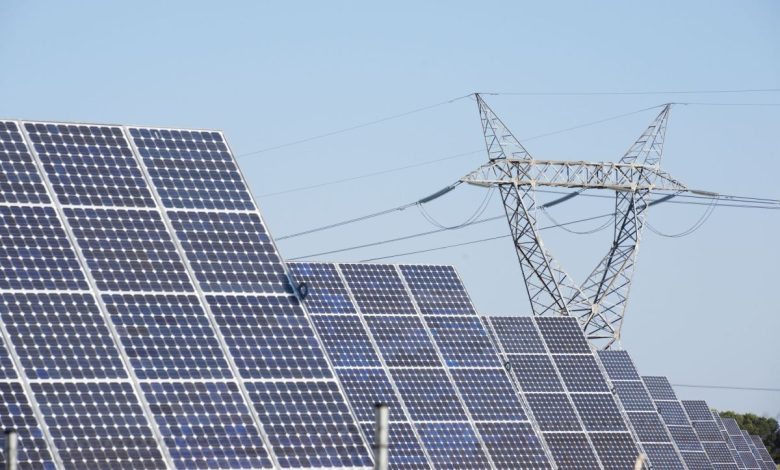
(650, 430)
(147, 321)
(567, 394)
(709, 434)
(677, 422)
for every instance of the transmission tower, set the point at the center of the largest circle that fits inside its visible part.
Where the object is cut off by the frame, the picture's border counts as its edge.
(600, 301)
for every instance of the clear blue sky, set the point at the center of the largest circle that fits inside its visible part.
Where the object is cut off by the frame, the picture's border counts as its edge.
(703, 309)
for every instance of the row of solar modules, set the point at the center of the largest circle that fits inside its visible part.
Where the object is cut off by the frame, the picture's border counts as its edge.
(146, 318)
(383, 325)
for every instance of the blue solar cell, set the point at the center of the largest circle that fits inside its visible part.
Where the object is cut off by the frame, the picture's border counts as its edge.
(535, 373)
(78, 412)
(230, 252)
(697, 410)
(428, 395)
(404, 449)
(663, 456)
(192, 169)
(553, 412)
(36, 252)
(648, 426)
(326, 292)
(463, 341)
(437, 290)
(707, 431)
(7, 370)
(128, 250)
(718, 453)
(571, 451)
(513, 445)
(659, 388)
(581, 373)
(403, 341)
(167, 336)
(206, 425)
(633, 396)
(60, 336)
(672, 413)
(488, 394)
(346, 340)
(269, 337)
(453, 445)
(615, 450)
(367, 387)
(685, 438)
(89, 165)
(16, 413)
(598, 412)
(518, 335)
(19, 178)
(308, 424)
(377, 289)
(696, 460)
(562, 335)
(618, 365)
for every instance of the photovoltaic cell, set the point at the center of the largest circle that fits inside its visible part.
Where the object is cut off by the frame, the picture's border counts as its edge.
(206, 425)
(571, 451)
(230, 252)
(618, 365)
(128, 250)
(673, 413)
(648, 427)
(437, 290)
(488, 394)
(367, 387)
(518, 335)
(269, 337)
(453, 445)
(463, 341)
(192, 169)
(616, 450)
(598, 412)
(633, 396)
(403, 341)
(580, 373)
(553, 412)
(403, 448)
(663, 456)
(35, 251)
(7, 370)
(562, 335)
(308, 424)
(60, 336)
(513, 445)
(16, 413)
(685, 438)
(19, 178)
(535, 373)
(77, 413)
(326, 292)
(428, 395)
(377, 289)
(697, 410)
(89, 165)
(346, 340)
(659, 388)
(167, 336)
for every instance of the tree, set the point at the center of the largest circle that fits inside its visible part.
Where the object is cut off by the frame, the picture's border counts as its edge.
(766, 428)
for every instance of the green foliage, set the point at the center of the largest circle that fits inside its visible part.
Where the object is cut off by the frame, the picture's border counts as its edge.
(766, 428)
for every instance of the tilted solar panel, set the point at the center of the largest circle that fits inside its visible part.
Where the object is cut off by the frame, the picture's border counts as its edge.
(709, 434)
(648, 425)
(147, 320)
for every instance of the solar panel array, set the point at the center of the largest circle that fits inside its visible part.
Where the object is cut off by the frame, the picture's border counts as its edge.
(650, 430)
(409, 336)
(147, 320)
(710, 436)
(763, 453)
(673, 414)
(567, 393)
(743, 448)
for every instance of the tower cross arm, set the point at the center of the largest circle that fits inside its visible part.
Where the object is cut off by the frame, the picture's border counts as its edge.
(573, 174)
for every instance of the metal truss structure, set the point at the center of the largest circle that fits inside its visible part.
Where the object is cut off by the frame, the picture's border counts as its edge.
(600, 301)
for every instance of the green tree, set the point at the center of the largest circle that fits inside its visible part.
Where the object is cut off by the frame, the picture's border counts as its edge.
(766, 428)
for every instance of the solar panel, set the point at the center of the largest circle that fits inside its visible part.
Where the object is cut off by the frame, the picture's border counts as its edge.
(649, 428)
(762, 451)
(147, 313)
(740, 443)
(677, 422)
(565, 389)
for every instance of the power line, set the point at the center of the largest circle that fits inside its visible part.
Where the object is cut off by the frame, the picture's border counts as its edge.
(352, 128)
(729, 387)
(660, 92)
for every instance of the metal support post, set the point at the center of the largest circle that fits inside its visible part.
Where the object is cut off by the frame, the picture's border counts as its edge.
(381, 437)
(11, 441)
